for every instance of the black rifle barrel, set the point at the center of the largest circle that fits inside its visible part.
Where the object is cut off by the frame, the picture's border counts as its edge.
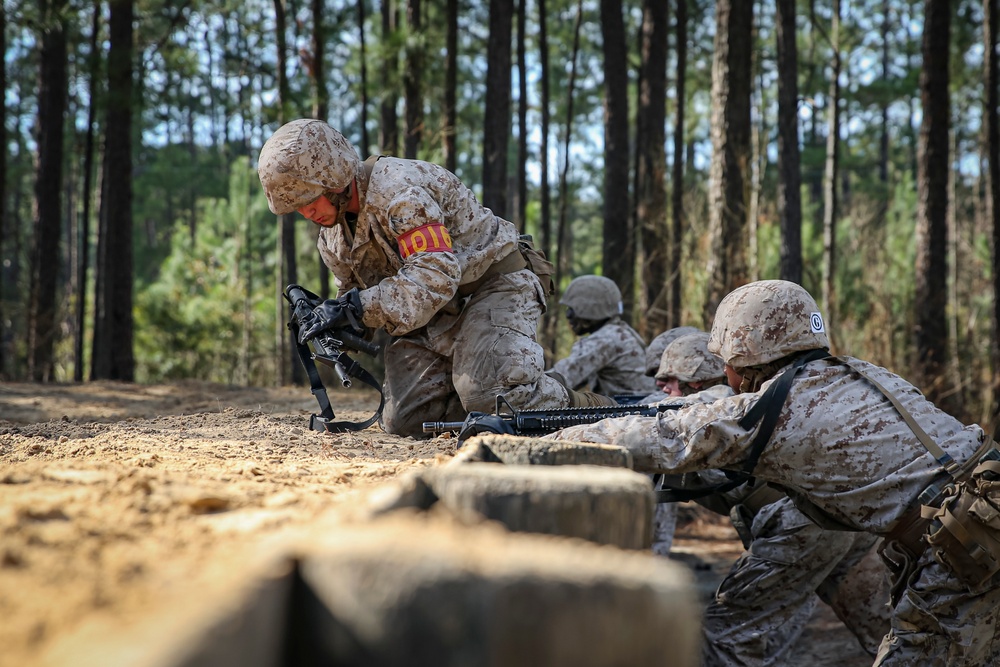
(540, 422)
(442, 427)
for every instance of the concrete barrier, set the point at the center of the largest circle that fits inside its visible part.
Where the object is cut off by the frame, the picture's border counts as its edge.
(413, 590)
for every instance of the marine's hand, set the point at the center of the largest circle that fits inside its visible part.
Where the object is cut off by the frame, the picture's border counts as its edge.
(344, 312)
(477, 423)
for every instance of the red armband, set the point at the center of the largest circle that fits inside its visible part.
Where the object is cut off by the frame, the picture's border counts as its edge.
(432, 237)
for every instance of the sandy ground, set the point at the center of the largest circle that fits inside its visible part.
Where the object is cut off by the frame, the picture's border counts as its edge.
(115, 498)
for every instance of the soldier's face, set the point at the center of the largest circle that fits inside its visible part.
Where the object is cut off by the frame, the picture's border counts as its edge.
(734, 378)
(321, 211)
(672, 387)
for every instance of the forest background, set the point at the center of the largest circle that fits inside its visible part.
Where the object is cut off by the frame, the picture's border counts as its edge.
(680, 147)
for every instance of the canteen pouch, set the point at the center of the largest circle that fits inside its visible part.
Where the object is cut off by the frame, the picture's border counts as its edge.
(538, 264)
(964, 534)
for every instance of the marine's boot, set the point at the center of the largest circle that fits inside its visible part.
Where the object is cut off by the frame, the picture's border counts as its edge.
(588, 399)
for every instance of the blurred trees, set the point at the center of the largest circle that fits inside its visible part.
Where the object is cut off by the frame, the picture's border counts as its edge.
(172, 170)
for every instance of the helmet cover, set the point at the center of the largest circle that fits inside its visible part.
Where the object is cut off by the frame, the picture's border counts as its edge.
(303, 160)
(764, 321)
(654, 351)
(593, 298)
(689, 360)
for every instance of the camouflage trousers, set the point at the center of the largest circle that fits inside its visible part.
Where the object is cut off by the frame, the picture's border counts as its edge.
(664, 524)
(939, 622)
(473, 350)
(765, 601)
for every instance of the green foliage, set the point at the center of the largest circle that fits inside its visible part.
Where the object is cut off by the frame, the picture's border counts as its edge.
(191, 322)
(168, 184)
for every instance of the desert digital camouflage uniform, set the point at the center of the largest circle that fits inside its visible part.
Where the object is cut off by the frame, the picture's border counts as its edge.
(762, 606)
(436, 269)
(608, 356)
(610, 360)
(840, 445)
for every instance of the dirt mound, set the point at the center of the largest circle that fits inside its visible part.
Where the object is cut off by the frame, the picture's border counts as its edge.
(116, 498)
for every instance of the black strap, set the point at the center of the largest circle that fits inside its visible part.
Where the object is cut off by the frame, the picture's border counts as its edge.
(768, 408)
(668, 494)
(323, 421)
(765, 412)
(315, 383)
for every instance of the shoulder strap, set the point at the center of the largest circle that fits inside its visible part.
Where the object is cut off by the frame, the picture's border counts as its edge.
(766, 411)
(948, 463)
(370, 163)
(768, 408)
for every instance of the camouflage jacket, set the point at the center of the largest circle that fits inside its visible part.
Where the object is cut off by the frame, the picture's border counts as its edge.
(420, 234)
(612, 360)
(838, 441)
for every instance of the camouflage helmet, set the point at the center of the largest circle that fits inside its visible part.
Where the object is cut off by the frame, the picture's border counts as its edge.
(303, 160)
(656, 346)
(593, 298)
(764, 321)
(689, 360)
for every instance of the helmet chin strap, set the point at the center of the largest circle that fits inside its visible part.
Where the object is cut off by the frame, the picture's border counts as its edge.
(341, 200)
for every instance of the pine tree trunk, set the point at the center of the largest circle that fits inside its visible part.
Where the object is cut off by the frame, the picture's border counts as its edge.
(677, 178)
(546, 193)
(289, 368)
(412, 82)
(496, 119)
(87, 195)
(618, 245)
(830, 212)
(388, 128)
(320, 110)
(366, 145)
(45, 259)
(651, 193)
(991, 80)
(3, 190)
(789, 169)
(113, 357)
(563, 247)
(521, 196)
(731, 85)
(450, 112)
(932, 204)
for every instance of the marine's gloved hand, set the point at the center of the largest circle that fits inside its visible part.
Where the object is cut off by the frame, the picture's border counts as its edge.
(477, 423)
(344, 312)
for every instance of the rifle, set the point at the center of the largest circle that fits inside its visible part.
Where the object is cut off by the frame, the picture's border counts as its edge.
(508, 419)
(328, 349)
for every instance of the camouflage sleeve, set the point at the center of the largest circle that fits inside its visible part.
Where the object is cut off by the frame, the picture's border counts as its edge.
(608, 431)
(431, 271)
(587, 356)
(698, 436)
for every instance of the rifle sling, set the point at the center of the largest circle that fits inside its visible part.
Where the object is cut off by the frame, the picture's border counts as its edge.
(315, 383)
(322, 421)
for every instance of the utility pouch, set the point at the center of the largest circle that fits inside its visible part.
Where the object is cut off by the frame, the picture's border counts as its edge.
(964, 533)
(538, 264)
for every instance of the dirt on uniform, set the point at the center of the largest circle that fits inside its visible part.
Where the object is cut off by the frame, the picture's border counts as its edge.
(118, 499)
